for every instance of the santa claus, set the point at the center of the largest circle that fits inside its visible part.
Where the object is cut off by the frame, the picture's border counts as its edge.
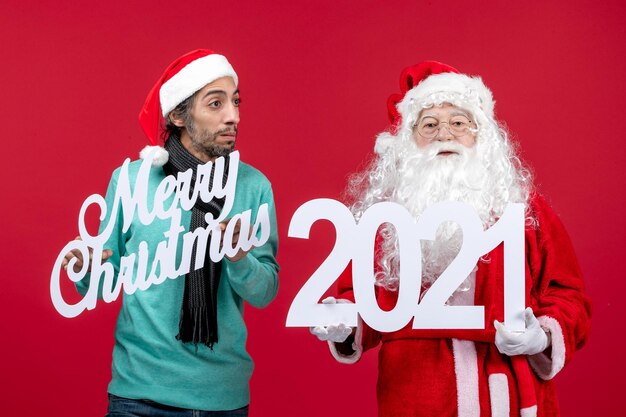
(445, 145)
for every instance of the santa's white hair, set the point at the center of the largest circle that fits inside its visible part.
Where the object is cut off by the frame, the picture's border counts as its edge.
(487, 176)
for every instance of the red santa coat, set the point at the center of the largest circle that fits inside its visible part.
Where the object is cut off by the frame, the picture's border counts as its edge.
(460, 372)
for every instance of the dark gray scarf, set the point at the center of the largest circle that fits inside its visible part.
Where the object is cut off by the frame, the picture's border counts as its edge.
(198, 313)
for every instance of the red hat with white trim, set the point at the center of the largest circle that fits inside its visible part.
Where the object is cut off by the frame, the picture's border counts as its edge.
(410, 77)
(181, 79)
(432, 82)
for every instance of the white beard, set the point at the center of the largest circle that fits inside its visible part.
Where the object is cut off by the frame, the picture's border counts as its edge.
(426, 178)
(486, 176)
(423, 178)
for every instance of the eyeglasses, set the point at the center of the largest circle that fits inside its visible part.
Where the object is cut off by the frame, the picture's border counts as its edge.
(458, 125)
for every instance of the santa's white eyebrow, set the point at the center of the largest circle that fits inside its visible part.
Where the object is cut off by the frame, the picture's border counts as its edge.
(452, 113)
(461, 113)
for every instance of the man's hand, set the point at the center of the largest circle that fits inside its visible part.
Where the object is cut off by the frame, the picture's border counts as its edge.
(106, 254)
(337, 333)
(235, 238)
(529, 342)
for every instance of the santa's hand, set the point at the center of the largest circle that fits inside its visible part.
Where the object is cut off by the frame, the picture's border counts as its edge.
(529, 342)
(337, 333)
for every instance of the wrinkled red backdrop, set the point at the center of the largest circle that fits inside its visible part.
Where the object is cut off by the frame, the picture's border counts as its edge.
(314, 78)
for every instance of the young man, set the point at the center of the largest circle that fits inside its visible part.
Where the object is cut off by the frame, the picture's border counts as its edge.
(447, 146)
(180, 345)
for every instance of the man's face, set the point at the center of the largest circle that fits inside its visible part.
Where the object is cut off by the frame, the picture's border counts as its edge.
(443, 124)
(212, 129)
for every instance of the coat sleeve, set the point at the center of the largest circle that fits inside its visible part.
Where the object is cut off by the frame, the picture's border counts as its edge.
(557, 295)
(365, 337)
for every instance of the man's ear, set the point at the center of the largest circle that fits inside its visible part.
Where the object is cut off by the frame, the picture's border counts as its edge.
(176, 119)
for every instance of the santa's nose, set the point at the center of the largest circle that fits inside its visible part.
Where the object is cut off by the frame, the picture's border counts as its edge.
(444, 133)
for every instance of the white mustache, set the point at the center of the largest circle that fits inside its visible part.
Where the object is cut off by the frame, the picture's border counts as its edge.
(436, 148)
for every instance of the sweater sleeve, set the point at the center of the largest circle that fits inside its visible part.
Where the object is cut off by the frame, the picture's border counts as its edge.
(115, 242)
(557, 296)
(255, 276)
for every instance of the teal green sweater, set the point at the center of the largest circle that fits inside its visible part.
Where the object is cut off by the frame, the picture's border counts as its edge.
(148, 362)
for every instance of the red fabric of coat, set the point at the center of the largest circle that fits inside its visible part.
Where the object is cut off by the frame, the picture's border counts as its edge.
(460, 372)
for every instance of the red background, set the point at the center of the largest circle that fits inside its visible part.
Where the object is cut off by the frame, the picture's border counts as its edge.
(314, 78)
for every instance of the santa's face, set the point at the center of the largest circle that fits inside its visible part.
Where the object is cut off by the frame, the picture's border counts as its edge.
(441, 161)
(212, 130)
(444, 124)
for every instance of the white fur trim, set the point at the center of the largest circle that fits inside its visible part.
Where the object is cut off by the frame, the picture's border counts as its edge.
(357, 346)
(159, 155)
(192, 78)
(384, 142)
(528, 411)
(458, 89)
(499, 393)
(466, 370)
(547, 367)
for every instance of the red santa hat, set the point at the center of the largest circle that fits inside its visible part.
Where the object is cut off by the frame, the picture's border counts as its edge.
(432, 82)
(181, 79)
